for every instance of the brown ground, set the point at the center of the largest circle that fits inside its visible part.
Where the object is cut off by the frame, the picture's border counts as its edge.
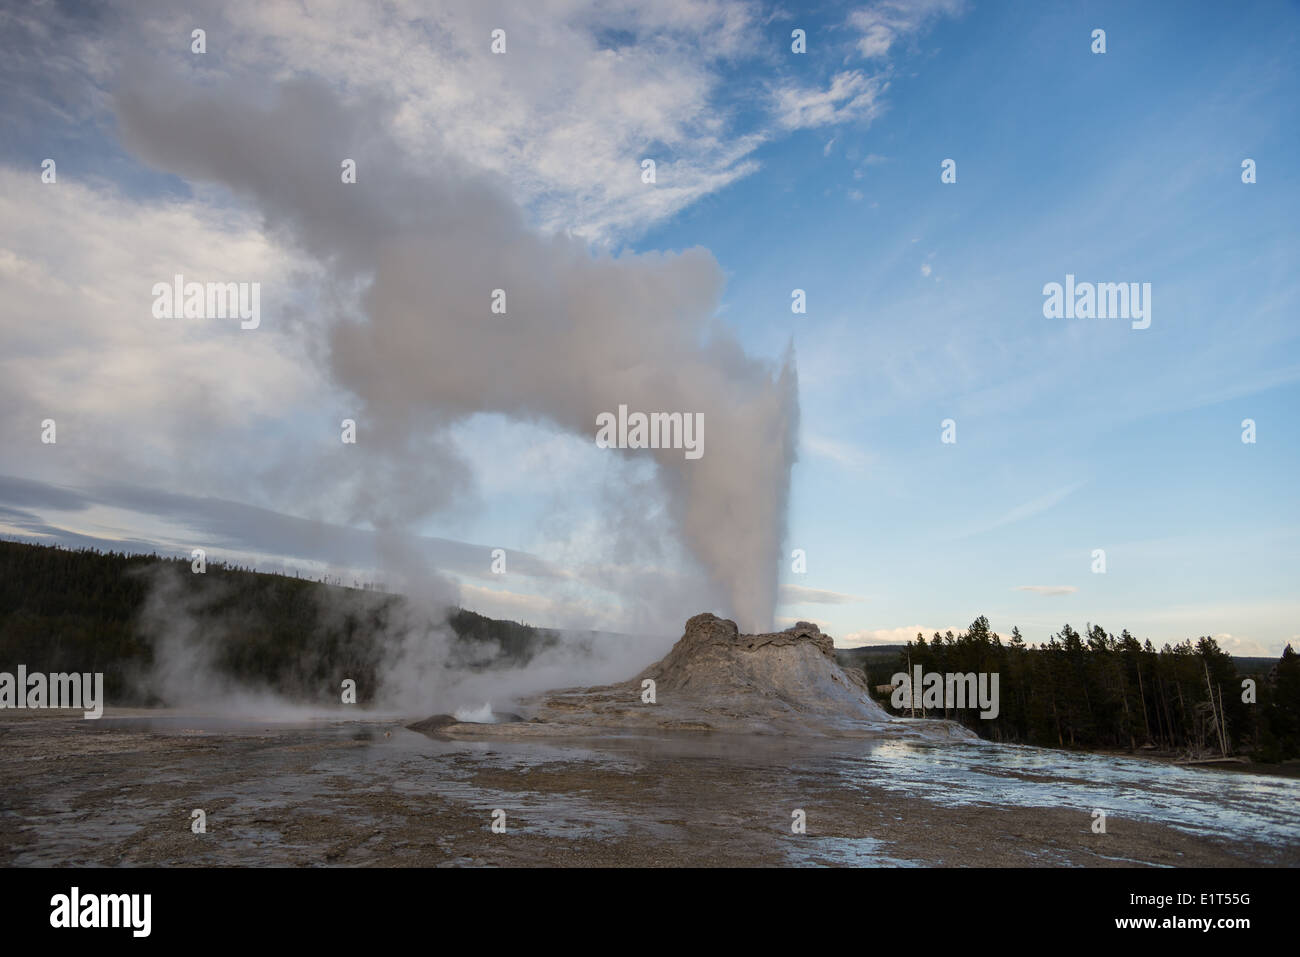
(77, 793)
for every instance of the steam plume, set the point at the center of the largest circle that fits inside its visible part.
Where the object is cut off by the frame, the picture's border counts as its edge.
(430, 240)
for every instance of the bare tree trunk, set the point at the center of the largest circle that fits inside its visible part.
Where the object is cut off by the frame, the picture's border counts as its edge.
(1214, 710)
(910, 675)
(1227, 741)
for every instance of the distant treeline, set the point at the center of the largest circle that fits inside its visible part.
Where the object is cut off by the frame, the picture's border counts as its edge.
(1099, 690)
(65, 610)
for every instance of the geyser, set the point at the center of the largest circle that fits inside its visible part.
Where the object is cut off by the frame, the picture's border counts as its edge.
(431, 242)
(717, 679)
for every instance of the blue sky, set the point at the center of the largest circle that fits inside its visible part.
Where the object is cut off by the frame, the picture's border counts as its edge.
(819, 172)
(1070, 437)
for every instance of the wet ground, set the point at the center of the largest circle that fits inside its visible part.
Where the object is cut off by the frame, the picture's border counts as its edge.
(120, 791)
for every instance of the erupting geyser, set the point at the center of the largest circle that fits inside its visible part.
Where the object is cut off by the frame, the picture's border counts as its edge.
(717, 679)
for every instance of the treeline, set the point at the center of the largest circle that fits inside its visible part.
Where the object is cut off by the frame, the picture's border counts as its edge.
(1099, 690)
(65, 610)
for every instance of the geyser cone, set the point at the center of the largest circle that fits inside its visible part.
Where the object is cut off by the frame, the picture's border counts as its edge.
(717, 679)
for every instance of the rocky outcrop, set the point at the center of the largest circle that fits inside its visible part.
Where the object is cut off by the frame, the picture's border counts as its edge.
(717, 679)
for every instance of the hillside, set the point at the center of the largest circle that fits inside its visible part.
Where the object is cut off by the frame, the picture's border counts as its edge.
(881, 661)
(1096, 689)
(63, 610)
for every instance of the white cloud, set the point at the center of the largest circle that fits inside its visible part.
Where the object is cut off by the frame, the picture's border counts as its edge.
(852, 95)
(1048, 589)
(581, 95)
(799, 595)
(1027, 509)
(152, 400)
(882, 24)
(888, 636)
(565, 116)
(1241, 645)
(842, 453)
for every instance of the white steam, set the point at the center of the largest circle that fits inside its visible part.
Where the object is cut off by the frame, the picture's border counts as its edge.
(583, 332)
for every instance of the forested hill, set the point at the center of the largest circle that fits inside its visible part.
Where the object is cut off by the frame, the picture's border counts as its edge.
(1095, 689)
(877, 658)
(88, 611)
(63, 610)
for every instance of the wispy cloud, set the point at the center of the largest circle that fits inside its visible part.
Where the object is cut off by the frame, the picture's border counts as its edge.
(883, 24)
(1048, 589)
(1026, 510)
(887, 636)
(1241, 645)
(799, 595)
(842, 453)
(852, 95)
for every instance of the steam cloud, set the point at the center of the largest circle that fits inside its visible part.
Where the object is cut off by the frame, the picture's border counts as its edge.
(427, 240)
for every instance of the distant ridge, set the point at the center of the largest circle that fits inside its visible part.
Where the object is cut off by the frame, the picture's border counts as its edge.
(81, 610)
